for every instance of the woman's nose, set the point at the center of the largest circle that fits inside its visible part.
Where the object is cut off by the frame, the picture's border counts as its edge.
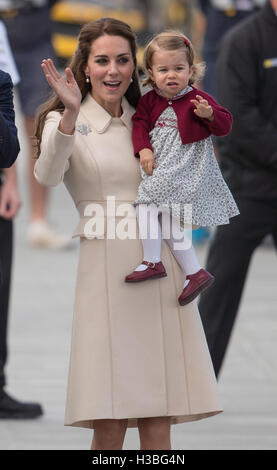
(112, 68)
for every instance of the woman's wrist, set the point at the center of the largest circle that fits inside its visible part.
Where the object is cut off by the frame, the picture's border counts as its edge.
(68, 121)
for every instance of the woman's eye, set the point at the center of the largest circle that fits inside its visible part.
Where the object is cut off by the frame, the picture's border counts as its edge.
(101, 61)
(123, 60)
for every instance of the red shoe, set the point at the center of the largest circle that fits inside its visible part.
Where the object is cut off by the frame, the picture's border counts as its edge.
(154, 270)
(197, 283)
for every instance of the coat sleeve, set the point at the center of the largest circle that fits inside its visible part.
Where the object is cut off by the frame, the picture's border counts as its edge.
(9, 145)
(56, 149)
(141, 126)
(253, 136)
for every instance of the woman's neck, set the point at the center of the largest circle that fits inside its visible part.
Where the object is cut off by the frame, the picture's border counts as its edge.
(114, 109)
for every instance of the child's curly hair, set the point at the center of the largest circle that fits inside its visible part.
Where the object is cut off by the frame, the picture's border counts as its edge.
(172, 40)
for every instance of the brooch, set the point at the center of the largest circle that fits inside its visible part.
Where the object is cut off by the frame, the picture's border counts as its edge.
(84, 129)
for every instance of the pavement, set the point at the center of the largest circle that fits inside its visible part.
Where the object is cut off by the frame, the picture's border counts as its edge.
(39, 346)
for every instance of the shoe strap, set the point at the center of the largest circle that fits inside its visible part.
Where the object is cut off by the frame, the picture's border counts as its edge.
(149, 264)
(191, 276)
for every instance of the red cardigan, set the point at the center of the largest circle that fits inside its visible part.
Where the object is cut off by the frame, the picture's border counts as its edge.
(191, 127)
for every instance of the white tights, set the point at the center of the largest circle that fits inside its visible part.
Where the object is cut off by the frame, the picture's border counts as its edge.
(151, 230)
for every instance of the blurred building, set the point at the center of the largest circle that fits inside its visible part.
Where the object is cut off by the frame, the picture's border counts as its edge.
(145, 17)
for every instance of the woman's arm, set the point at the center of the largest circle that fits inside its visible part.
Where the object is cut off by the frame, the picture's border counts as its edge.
(59, 131)
(56, 149)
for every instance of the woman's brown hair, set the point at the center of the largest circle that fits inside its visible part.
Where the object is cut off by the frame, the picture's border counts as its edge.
(169, 41)
(89, 33)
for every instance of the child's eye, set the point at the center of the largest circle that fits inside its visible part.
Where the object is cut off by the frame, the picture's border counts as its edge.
(162, 70)
(179, 68)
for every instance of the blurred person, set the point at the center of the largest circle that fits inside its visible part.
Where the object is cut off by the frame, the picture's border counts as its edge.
(29, 31)
(9, 146)
(180, 174)
(221, 15)
(9, 205)
(247, 85)
(123, 336)
(155, 14)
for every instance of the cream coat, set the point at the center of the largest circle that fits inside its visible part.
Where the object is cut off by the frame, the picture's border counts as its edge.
(135, 352)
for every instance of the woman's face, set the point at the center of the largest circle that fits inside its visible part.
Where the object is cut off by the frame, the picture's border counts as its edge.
(110, 67)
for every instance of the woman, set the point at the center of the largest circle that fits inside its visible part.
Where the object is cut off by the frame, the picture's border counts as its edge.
(137, 358)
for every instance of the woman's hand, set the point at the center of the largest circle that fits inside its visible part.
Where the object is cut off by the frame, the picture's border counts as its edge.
(10, 200)
(147, 161)
(65, 88)
(203, 109)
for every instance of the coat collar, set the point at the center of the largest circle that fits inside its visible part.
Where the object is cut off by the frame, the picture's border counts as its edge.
(100, 119)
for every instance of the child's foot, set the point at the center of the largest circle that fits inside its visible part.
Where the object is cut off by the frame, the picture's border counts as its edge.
(153, 271)
(197, 283)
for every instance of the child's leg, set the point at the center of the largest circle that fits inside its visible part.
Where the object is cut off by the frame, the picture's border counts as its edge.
(150, 234)
(182, 249)
(197, 279)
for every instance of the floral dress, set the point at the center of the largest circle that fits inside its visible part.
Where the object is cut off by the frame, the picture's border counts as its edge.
(187, 181)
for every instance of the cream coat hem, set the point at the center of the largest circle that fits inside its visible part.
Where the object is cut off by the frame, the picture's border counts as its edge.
(133, 422)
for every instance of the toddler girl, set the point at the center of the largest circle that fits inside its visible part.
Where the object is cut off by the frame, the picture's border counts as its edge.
(172, 129)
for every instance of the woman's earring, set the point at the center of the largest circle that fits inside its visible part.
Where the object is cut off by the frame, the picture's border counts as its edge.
(87, 79)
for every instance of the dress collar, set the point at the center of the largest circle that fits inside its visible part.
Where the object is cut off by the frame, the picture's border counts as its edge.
(100, 119)
(181, 93)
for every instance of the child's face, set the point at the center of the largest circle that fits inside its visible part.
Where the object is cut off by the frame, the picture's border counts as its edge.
(170, 71)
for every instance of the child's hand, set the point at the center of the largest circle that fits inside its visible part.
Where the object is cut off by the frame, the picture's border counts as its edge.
(203, 109)
(147, 161)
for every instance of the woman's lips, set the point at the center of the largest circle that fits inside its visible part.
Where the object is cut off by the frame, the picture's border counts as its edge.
(112, 85)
